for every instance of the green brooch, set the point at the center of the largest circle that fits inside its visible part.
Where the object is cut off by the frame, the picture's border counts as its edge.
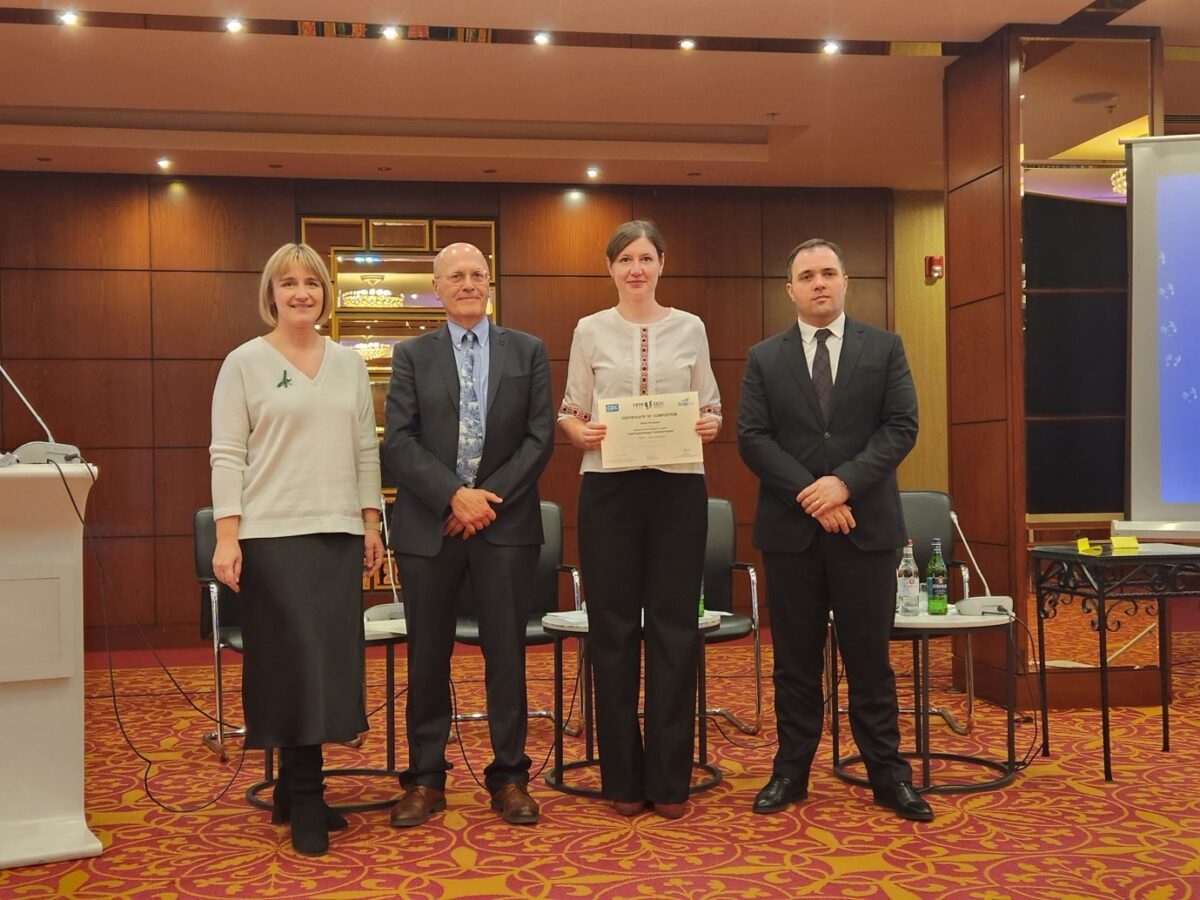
(285, 381)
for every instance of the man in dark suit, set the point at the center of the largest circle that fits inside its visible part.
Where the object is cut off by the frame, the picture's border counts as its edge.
(828, 411)
(469, 430)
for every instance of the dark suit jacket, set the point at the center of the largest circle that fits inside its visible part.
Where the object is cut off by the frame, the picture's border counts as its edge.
(420, 445)
(786, 443)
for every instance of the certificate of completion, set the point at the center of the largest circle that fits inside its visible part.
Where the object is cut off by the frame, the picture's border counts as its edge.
(653, 430)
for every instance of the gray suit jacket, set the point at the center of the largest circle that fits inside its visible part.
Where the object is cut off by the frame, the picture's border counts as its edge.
(420, 444)
(785, 441)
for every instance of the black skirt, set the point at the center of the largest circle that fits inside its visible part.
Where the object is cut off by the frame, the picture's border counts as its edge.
(302, 630)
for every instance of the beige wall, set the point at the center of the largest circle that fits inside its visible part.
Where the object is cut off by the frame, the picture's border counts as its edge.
(920, 319)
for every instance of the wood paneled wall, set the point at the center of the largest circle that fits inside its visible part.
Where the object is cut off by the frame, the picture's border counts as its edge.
(120, 295)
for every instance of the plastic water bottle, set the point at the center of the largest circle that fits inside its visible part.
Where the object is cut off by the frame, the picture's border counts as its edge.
(908, 585)
(701, 595)
(939, 585)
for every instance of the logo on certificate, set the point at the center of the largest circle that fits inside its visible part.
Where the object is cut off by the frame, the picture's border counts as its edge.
(612, 407)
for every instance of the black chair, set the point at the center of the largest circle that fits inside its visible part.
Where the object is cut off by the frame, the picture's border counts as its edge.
(719, 566)
(218, 620)
(545, 599)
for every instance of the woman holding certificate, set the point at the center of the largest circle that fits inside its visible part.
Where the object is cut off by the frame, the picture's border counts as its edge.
(642, 519)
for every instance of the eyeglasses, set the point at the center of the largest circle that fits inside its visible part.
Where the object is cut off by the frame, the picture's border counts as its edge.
(456, 278)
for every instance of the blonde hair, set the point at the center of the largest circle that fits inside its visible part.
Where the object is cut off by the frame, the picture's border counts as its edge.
(281, 260)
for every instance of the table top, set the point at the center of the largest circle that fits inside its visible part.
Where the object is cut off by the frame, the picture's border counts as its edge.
(1152, 553)
(574, 621)
(950, 622)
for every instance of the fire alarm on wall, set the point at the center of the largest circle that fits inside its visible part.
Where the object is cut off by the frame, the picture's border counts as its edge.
(935, 267)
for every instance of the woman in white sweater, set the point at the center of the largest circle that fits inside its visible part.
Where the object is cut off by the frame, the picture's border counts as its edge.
(295, 487)
(641, 531)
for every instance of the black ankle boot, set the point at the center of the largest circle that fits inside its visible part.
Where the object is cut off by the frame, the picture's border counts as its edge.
(281, 806)
(310, 836)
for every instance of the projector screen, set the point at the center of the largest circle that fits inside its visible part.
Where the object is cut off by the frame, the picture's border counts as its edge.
(1164, 395)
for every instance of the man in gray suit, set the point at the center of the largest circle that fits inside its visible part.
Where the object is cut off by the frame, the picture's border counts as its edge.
(828, 411)
(469, 429)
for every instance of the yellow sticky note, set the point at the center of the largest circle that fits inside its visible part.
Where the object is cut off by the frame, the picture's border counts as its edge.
(1083, 545)
(1124, 542)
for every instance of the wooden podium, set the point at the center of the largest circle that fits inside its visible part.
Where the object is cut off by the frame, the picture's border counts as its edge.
(41, 665)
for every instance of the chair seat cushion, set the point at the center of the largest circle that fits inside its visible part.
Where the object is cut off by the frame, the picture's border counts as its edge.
(231, 637)
(730, 629)
(466, 631)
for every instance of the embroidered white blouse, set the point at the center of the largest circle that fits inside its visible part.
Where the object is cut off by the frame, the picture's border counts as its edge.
(613, 357)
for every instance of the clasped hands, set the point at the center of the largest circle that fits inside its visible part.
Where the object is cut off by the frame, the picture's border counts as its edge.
(470, 511)
(825, 500)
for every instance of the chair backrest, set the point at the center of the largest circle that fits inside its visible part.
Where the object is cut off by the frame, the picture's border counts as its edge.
(718, 556)
(926, 516)
(545, 577)
(204, 544)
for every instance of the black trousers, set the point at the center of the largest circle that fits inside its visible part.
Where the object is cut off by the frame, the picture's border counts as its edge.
(641, 549)
(860, 588)
(502, 581)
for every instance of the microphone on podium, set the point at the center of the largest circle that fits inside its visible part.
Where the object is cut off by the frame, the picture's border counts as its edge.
(987, 605)
(38, 451)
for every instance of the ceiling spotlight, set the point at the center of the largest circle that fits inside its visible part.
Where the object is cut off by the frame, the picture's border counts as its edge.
(69, 17)
(687, 44)
(593, 172)
(831, 47)
(233, 26)
(542, 38)
(391, 32)
(163, 163)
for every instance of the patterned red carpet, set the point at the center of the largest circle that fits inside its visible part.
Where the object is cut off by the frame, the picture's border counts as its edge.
(1059, 831)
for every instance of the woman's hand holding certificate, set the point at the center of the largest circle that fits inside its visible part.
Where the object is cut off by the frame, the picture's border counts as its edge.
(652, 430)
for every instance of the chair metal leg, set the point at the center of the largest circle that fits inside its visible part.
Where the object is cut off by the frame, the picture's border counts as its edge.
(215, 740)
(756, 726)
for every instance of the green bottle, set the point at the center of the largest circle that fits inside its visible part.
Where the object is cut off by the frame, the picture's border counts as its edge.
(936, 581)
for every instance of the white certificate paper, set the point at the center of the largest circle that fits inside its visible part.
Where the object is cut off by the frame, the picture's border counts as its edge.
(653, 430)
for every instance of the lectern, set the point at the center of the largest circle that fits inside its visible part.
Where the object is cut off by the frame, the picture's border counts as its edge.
(41, 664)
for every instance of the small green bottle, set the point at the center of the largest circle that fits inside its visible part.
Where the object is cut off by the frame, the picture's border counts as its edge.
(701, 595)
(938, 584)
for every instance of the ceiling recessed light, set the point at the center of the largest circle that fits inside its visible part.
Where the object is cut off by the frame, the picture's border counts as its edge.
(391, 32)
(831, 47)
(542, 38)
(687, 44)
(69, 17)
(163, 162)
(593, 171)
(233, 26)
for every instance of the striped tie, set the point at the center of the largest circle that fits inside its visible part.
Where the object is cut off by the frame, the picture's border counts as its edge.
(822, 374)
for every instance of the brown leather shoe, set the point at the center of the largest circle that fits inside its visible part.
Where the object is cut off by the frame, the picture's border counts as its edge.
(670, 810)
(628, 807)
(416, 805)
(515, 805)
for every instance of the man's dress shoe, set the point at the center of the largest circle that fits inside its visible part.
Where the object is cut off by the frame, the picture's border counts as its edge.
(415, 807)
(515, 805)
(779, 793)
(905, 802)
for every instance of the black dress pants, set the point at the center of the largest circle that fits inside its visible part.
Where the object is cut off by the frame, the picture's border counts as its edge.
(641, 549)
(859, 587)
(502, 580)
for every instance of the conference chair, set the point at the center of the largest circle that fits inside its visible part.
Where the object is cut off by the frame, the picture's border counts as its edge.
(218, 620)
(719, 566)
(545, 599)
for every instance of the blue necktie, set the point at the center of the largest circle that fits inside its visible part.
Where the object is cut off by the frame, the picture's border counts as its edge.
(470, 424)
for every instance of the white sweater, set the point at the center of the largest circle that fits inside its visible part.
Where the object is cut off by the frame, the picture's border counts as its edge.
(613, 357)
(292, 454)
